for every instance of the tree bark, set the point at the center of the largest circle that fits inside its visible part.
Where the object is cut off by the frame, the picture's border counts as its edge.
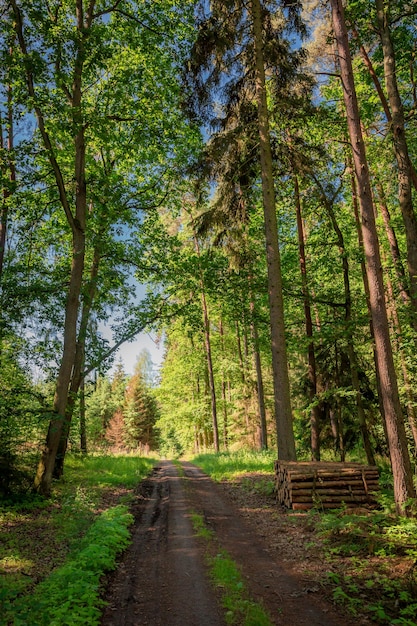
(76, 221)
(397, 442)
(398, 345)
(366, 288)
(207, 343)
(394, 248)
(9, 172)
(282, 401)
(312, 372)
(224, 395)
(77, 377)
(381, 94)
(83, 430)
(259, 379)
(400, 148)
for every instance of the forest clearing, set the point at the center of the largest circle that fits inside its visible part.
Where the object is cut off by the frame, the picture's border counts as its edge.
(235, 179)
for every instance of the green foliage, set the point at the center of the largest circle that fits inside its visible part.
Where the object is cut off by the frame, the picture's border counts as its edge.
(66, 537)
(21, 419)
(140, 412)
(382, 537)
(71, 594)
(104, 471)
(240, 609)
(228, 465)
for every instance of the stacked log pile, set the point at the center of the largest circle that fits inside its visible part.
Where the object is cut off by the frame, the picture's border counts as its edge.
(304, 485)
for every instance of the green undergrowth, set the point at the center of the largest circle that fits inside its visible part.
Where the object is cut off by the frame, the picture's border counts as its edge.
(366, 560)
(373, 556)
(239, 608)
(71, 594)
(54, 551)
(230, 465)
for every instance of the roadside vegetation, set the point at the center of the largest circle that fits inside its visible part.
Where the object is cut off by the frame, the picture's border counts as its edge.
(226, 577)
(364, 560)
(54, 552)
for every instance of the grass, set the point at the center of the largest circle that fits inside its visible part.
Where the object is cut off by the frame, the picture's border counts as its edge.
(229, 465)
(54, 552)
(239, 608)
(367, 560)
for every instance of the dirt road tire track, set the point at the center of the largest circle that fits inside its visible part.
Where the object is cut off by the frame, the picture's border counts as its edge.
(162, 579)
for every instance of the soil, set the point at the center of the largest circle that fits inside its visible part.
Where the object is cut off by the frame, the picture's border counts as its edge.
(163, 578)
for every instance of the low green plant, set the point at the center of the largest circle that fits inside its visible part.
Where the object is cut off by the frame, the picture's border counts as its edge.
(240, 609)
(40, 535)
(200, 528)
(383, 537)
(71, 594)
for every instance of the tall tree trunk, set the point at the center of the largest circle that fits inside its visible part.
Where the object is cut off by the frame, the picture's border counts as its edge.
(394, 248)
(77, 375)
(397, 441)
(282, 401)
(312, 373)
(336, 417)
(400, 147)
(240, 353)
(207, 343)
(353, 361)
(381, 94)
(9, 174)
(259, 378)
(224, 389)
(366, 287)
(243, 371)
(44, 473)
(83, 430)
(76, 221)
(398, 345)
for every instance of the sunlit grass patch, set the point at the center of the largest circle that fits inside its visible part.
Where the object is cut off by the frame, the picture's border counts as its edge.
(74, 588)
(38, 535)
(107, 471)
(200, 528)
(229, 465)
(240, 609)
(14, 564)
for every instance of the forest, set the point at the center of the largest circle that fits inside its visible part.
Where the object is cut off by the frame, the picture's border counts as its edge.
(237, 177)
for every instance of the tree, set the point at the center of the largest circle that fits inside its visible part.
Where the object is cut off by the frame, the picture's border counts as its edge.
(90, 99)
(232, 53)
(400, 145)
(400, 461)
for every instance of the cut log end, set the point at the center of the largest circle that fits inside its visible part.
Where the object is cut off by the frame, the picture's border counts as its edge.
(323, 485)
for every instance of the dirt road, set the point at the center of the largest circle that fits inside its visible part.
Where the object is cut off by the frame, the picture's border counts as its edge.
(163, 580)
